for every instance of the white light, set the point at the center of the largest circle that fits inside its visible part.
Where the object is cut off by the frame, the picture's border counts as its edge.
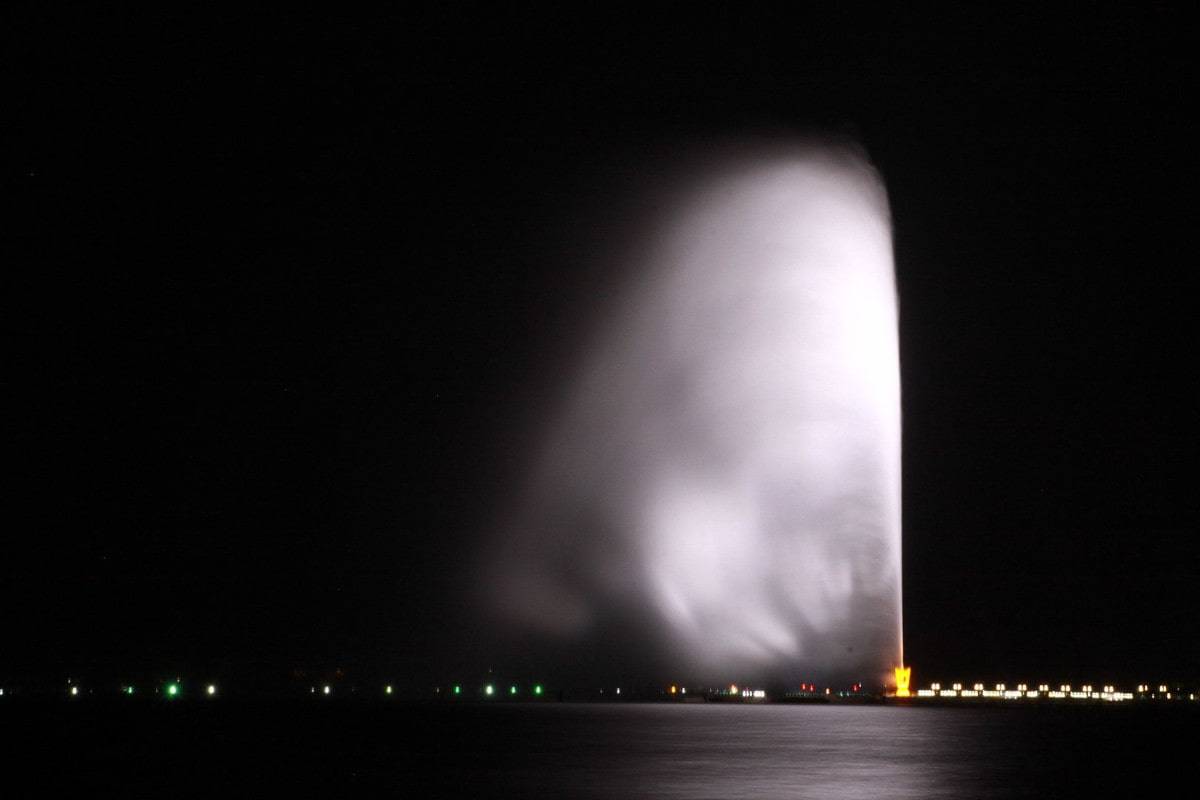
(325, 690)
(212, 689)
(737, 407)
(388, 690)
(618, 690)
(74, 690)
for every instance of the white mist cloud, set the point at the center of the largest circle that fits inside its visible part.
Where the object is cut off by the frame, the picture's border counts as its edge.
(727, 459)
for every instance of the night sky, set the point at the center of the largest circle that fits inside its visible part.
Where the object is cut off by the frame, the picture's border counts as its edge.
(285, 296)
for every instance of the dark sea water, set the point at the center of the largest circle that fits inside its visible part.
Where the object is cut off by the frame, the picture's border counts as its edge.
(596, 751)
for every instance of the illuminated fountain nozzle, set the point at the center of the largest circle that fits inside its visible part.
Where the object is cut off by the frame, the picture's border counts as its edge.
(903, 676)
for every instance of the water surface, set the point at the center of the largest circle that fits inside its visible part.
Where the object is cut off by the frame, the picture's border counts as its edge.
(598, 751)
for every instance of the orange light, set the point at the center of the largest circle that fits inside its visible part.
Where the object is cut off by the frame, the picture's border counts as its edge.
(903, 676)
(733, 688)
(673, 689)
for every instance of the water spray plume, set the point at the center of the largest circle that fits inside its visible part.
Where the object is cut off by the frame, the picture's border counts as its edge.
(725, 464)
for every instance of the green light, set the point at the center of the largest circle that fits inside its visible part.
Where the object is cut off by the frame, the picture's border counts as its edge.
(489, 690)
(512, 690)
(128, 690)
(388, 690)
(457, 689)
(537, 689)
(172, 689)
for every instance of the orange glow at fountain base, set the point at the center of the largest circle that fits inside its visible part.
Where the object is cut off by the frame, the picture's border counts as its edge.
(903, 678)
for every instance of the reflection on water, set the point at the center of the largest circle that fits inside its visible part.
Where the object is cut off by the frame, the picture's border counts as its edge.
(596, 751)
(673, 751)
(776, 751)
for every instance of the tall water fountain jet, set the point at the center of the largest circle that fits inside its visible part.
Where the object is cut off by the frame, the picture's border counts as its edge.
(725, 464)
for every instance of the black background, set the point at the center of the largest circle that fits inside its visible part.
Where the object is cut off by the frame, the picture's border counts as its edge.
(279, 287)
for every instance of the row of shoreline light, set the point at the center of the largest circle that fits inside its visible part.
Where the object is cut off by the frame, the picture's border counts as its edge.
(1106, 693)
(174, 689)
(171, 690)
(1000, 691)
